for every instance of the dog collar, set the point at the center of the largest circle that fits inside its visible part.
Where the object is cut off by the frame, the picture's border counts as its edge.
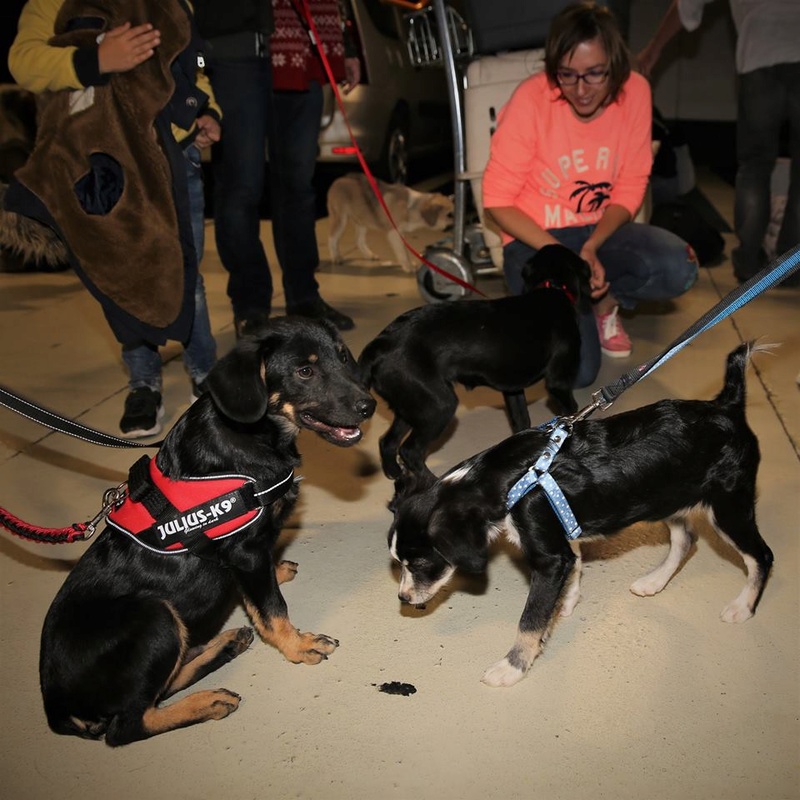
(177, 516)
(548, 284)
(539, 475)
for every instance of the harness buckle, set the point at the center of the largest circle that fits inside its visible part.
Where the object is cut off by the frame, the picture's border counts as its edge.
(112, 498)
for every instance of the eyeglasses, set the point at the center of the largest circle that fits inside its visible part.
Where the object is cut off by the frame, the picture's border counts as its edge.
(594, 77)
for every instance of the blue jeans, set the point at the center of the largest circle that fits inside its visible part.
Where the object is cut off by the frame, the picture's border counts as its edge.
(642, 262)
(767, 97)
(199, 350)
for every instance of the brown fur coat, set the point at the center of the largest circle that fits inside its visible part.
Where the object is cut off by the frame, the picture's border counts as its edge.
(130, 247)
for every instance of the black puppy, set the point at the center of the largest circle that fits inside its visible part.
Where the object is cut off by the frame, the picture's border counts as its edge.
(507, 344)
(133, 623)
(658, 462)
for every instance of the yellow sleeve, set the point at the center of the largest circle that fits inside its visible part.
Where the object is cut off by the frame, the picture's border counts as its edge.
(205, 84)
(36, 65)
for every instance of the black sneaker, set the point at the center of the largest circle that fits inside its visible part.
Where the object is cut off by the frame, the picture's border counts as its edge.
(198, 388)
(143, 413)
(243, 326)
(319, 309)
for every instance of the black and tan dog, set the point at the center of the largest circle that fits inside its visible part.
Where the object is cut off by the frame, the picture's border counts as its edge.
(655, 463)
(139, 616)
(507, 344)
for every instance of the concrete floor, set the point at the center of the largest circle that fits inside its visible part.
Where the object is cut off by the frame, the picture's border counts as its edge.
(632, 698)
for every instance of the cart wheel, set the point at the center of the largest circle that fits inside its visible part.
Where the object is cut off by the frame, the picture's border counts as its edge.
(436, 288)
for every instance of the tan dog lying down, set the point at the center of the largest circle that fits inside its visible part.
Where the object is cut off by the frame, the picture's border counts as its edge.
(351, 198)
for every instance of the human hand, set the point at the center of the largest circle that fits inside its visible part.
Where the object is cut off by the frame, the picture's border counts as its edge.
(208, 131)
(597, 281)
(125, 47)
(352, 70)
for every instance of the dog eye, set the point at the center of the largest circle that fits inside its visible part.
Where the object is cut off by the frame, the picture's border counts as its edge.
(305, 371)
(343, 357)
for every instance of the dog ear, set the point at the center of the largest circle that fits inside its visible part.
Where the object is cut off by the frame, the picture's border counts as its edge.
(237, 385)
(409, 484)
(460, 538)
(430, 212)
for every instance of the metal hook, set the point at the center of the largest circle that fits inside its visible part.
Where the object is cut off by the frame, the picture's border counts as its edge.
(112, 498)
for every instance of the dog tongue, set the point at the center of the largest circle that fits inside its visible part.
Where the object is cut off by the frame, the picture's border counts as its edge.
(339, 433)
(345, 434)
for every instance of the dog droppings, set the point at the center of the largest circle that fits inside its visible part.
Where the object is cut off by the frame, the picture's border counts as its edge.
(395, 687)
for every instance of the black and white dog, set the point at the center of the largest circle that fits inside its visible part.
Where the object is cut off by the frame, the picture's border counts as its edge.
(138, 618)
(655, 463)
(507, 344)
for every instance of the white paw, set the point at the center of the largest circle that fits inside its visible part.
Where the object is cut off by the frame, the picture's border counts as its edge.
(502, 674)
(568, 606)
(646, 586)
(736, 612)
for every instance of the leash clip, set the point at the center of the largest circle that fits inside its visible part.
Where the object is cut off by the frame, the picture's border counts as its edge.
(599, 403)
(112, 498)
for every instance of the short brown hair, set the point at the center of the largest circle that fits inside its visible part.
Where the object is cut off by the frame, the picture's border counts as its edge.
(584, 22)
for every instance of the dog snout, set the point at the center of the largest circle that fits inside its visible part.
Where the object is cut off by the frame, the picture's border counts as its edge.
(366, 407)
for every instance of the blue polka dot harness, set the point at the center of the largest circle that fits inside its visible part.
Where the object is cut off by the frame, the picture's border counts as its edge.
(539, 475)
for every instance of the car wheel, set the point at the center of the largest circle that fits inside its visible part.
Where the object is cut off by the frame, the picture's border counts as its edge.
(393, 166)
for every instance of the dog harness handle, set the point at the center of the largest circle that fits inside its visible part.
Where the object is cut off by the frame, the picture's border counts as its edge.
(175, 516)
(539, 475)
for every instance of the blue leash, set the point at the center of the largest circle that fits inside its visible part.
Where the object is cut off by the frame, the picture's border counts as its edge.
(539, 473)
(773, 273)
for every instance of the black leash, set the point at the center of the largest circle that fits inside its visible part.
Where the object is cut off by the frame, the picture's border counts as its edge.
(61, 424)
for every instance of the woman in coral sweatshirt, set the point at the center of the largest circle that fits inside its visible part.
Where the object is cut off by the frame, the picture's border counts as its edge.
(569, 164)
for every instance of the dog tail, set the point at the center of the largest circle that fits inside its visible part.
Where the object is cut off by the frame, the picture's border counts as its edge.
(733, 392)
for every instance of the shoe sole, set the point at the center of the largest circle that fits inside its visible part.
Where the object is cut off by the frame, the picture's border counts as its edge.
(139, 433)
(615, 353)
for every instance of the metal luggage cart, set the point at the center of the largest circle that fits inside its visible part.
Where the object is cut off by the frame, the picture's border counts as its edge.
(438, 35)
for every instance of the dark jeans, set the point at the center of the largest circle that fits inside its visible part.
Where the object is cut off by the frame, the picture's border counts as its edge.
(199, 350)
(642, 262)
(289, 122)
(243, 89)
(767, 97)
(293, 159)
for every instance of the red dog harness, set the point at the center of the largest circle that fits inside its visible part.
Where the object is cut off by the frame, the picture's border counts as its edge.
(176, 516)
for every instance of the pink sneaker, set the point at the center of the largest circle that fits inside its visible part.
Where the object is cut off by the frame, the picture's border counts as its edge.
(614, 341)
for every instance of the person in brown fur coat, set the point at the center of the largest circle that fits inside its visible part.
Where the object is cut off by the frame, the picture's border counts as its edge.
(116, 172)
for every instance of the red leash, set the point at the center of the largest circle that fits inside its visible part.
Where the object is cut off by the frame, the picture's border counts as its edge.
(77, 532)
(302, 8)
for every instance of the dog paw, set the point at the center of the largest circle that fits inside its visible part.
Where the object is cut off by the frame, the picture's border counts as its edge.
(314, 647)
(222, 703)
(646, 586)
(502, 674)
(286, 571)
(568, 606)
(241, 640)
(736, 612)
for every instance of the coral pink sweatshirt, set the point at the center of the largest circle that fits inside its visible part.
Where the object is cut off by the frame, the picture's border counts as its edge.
(563, 172)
